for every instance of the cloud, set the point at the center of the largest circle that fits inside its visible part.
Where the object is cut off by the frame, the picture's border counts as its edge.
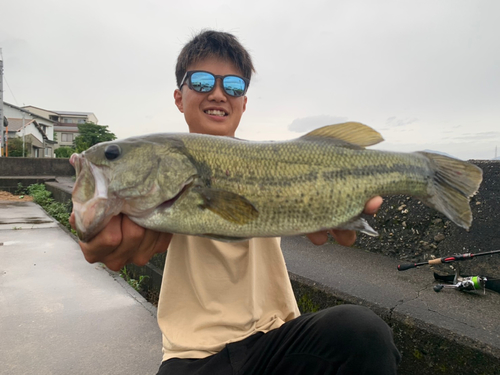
(396, 122)
(305, 124)
(483, 136)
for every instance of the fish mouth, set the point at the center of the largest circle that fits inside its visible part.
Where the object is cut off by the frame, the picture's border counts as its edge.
(92, 207)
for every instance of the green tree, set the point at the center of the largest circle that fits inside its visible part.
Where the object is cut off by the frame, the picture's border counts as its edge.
(64, 152)
(91, 134)
(15, 147)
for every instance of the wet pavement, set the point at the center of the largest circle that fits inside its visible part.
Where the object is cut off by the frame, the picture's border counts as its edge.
(60, 314)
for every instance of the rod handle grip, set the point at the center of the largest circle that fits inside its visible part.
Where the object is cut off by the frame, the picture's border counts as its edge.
(436, 261)
(407, 266)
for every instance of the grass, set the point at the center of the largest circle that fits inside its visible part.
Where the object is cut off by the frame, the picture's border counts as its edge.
(136, 284)
(59, 211)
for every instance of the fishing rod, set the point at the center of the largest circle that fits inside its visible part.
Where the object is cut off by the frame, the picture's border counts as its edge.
(450, 259)
(458, 282)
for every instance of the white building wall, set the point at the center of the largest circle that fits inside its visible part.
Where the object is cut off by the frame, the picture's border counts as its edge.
(16, 113)
(31, 129)
(92, 118)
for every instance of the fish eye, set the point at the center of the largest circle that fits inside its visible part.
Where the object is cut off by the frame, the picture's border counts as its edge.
(111, 152)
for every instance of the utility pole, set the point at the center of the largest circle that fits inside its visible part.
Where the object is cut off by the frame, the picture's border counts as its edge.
(23, 133)
(2, 140)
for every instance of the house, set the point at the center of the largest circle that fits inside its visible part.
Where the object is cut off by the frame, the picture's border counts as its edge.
(65, 123)
(37, 130)
(34, 136)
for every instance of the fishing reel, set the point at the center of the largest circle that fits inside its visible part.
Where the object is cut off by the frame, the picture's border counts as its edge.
(470, 283)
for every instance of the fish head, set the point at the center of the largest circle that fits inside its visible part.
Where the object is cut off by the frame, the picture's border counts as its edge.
(133, 176)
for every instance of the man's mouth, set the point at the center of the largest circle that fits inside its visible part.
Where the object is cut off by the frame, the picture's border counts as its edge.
(215, 112)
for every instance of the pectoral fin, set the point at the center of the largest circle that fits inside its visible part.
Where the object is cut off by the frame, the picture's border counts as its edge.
(230, 206)
(361, 225)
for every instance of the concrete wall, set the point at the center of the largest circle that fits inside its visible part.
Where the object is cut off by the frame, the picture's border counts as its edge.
(413, 232)
(35, 167)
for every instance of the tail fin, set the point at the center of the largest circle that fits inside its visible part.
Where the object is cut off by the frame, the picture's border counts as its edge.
(455, 181)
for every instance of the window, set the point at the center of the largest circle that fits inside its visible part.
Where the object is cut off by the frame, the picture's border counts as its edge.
(47, 151)
(67, 137)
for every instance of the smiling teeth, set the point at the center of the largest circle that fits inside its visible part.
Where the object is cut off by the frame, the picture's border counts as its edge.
(215, 112)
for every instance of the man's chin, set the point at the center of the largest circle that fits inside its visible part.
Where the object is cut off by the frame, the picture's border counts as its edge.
(219, 129)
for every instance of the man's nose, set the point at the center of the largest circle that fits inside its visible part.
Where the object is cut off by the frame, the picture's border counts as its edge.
(218, 92)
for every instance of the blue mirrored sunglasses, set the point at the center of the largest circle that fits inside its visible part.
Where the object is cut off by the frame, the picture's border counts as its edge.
(201, 81)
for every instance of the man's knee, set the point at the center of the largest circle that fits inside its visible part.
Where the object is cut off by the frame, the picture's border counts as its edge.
(352, 324)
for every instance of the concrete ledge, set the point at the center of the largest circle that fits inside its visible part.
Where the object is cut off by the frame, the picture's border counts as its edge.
(13, 166)
(437, 333)
(425, 348)
(61, 188)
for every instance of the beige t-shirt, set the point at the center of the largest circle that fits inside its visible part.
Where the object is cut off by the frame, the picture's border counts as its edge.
(214, 293)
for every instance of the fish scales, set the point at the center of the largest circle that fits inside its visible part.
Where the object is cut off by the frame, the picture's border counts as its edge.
(294, 186)
(232, 189)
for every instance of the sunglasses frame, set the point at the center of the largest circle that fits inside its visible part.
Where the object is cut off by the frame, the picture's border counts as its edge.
(189, 73)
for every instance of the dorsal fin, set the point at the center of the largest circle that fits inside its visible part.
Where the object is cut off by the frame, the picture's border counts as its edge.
(351, 132)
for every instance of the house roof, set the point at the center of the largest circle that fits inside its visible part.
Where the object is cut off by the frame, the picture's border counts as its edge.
(72, 113)
(28, 112)
(67, 113)
(16, 124)
(33, 106)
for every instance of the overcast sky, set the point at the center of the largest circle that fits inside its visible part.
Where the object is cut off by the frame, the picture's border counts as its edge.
(426, 73)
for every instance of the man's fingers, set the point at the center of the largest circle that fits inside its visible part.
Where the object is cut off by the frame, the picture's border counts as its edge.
(153, 243)
(132, 237)
(373, 205)
(344, 237)
(104, 243)
(318, 238)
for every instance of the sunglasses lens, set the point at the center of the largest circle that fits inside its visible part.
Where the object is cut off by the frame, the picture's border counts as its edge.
(234, 86)
(202, 82)
(205, 82)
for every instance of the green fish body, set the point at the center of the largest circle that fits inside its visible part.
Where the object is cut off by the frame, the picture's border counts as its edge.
(231, 189)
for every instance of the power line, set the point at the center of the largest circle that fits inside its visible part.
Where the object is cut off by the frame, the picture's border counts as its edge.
(15, 100)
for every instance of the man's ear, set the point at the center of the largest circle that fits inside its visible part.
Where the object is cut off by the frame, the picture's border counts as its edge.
(245, 103)
(178, 100)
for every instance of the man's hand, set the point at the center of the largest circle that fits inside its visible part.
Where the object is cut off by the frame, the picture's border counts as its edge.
(122, 242)
(345, 237)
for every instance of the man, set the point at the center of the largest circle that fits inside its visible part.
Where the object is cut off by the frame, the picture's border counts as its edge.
(229, 307)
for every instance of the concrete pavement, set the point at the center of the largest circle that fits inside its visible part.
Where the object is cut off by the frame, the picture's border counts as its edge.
(61, 315)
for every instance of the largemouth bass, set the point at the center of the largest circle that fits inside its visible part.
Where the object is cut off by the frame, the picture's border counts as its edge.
(230, 189)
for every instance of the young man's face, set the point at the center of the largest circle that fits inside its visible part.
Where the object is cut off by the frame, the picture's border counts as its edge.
(216, 112)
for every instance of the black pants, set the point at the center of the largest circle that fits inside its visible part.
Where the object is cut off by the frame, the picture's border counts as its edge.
(346, 339)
